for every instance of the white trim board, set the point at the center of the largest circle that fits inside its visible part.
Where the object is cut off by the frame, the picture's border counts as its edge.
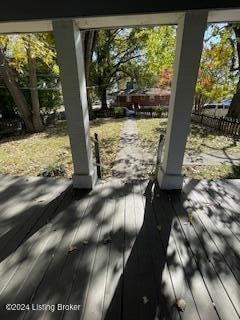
(229, 15)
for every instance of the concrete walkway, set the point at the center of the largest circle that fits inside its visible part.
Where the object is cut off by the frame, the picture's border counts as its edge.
(132, 161)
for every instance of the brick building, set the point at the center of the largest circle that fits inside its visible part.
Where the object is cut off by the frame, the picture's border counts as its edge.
(149, 97)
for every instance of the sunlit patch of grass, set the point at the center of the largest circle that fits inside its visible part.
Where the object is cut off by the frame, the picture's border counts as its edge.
(108, 131)
(29, 154)
(149, 131)
(200, 140)
(212, 171)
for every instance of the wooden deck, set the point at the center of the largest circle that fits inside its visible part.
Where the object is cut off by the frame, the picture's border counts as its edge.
(120, 252)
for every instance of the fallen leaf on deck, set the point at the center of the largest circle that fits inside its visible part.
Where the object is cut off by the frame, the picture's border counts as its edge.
(190, 218)
(107, 240)
(72, 248)
(159, 227)
(181, 304)
(145, 300)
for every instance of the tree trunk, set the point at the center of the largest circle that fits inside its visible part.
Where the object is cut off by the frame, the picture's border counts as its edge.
(104, 99)
(36, 117)
(17, 95)
(234, 109)
(89, 40)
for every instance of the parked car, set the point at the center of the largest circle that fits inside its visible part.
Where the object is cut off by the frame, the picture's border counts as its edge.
(217, 109)
(96, 105)
(226, 102)
(129, 113)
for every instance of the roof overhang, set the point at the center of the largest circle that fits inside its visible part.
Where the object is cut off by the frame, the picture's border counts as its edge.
(113, 21)
(24, 10)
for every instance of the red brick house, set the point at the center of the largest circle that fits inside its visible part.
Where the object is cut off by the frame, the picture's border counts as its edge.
(149, 97)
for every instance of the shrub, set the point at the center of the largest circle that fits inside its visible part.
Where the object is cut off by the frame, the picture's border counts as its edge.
(159, 111)
(53, 170)
(119, 112)
(50, 100)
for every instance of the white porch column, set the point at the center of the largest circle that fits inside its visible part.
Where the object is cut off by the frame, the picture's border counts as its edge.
(70, 58)
(189, 45)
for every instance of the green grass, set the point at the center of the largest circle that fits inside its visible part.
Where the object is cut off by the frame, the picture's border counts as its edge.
(200, 140)
(221, 171)
(31, 153)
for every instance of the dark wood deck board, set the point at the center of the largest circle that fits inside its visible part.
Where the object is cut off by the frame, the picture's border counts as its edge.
(50, 283)
(220, 265)
(79, 271)
(212, 279)
(145, 243)
(156, 221)
(221, 243)
(177, 257)
(211, 196)
(97, 281)
(113, 286)
(220, 236)
(131, 285)
(154, 254)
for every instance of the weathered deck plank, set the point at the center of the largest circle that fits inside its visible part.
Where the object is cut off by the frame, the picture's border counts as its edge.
(162, 293)
(154, 255)
(97, 282)
(177, 259)
(64, 236)
(216, 288)
(113, 286)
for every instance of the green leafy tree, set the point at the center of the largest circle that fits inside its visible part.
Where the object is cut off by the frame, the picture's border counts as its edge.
(234, 39)
(19, 57)
(159, 51)
(215, 79)
(117, 56)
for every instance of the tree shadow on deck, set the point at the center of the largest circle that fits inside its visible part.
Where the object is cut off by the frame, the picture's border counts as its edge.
(27, 204)
(175, 256)
(141, 262)
(140, 291)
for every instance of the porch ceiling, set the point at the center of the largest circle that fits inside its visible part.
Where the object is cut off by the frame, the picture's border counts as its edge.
(28, 10)
(36, 23)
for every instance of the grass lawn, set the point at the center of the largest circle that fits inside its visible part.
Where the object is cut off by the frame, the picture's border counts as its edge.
(200, 140)
(30, 154)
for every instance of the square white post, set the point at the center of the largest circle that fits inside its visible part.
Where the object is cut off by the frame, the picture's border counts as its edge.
(71, 61)
(190, 34)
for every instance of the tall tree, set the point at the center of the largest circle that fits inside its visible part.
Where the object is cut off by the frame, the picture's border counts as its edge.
(19, 56)
(89, 38)
(113, 59)
(36, 118)
(9, 79)
(215, 80)
(234, 110)
(159, 50)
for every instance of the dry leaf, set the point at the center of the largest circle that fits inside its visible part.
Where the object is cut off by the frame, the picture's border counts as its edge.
(107, 240)
(190, 218)
(181, 304)
(145, 299)
(72, 248)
